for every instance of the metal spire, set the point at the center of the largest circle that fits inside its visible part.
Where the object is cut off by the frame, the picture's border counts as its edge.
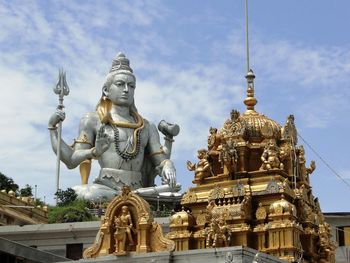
(247, 36)
(250, 101)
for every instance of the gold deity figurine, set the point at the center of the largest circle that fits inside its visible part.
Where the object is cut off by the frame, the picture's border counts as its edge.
(202, 168)
(213, 140)
(305, 171)
(228, 157)
(217, 233)
(235, 126)
(271, 157)
(123, 231)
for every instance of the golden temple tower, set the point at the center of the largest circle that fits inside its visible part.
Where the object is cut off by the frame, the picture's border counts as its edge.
(252, 189)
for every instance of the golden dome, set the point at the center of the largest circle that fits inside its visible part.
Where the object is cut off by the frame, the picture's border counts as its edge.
(282, 206)
(182, 219)
(259, 127)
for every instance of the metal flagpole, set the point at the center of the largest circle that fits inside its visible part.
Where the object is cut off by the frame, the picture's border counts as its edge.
(61, 89)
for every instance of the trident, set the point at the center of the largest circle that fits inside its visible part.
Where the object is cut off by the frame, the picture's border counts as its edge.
(61, 89)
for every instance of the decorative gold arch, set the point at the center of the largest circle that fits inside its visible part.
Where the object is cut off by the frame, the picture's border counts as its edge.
(148, 234)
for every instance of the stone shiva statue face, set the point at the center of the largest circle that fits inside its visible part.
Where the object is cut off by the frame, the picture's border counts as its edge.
(121, 89)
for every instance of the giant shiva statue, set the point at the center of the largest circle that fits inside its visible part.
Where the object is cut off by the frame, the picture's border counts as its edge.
(126, 145)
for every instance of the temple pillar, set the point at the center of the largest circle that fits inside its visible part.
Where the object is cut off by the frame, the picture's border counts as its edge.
(242, 163)
(142, 238)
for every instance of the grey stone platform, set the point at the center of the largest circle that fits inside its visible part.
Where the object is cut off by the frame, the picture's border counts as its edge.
(28, 254)
(220, 255)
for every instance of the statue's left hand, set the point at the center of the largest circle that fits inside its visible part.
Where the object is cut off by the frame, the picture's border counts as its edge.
(169, 174)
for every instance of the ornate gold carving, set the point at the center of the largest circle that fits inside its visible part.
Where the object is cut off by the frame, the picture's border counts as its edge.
(312, 168)
(213, 139)
(289, 131)
(216, 193)
(189, 197)
(278, 210)
(96, 247)
(234, 127)
(271, 157)
(158, 241)
(179, 234)
(238, 190)
(202, 218)
(127, 219)
(286, 188)
(123, 231)
(327, 246)
(260, 213)
(202, 169)
(273, 187)
(217, 234)
(228, 156)
(266, 130)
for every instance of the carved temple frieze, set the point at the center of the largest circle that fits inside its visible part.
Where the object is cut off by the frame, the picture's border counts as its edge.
(128, 227)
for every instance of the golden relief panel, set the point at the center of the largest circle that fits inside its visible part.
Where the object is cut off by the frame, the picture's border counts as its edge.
(128, 227)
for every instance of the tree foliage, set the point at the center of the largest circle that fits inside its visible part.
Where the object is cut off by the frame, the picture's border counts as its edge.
(76, 211)
(65, 197)
(7, 183)
(27, 190)
(69, 208)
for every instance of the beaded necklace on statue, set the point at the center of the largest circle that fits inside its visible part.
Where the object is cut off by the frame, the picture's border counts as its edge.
(138, 126)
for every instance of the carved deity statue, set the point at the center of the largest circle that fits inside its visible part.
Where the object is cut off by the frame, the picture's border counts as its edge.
(233, 127)
(126, 145)
(289, 131)
(327, 246)
(213, 139)
(271, 157)
(202, 169)
(228, 156)
(123, 231)
(218, 234)
(305, 171)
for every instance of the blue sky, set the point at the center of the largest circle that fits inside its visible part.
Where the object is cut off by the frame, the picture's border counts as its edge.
(189, 60)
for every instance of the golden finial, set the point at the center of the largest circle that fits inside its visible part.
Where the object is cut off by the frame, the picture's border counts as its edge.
(250, 101)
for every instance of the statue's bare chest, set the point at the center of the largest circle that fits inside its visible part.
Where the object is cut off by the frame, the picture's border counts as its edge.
(126, 139)
(126, 149)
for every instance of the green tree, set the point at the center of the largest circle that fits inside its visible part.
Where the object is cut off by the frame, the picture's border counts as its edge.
(7, 183)
(27, 190)
(65, 197)
(76, 211)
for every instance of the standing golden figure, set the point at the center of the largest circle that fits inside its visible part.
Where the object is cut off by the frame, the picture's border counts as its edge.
(123, 231)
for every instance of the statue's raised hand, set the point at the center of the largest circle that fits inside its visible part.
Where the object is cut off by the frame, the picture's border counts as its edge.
(190, 166)
(58, 116)
(102, 141)
(169, 174)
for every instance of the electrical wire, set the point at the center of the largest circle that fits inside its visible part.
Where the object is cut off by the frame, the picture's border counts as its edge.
(324, 161)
